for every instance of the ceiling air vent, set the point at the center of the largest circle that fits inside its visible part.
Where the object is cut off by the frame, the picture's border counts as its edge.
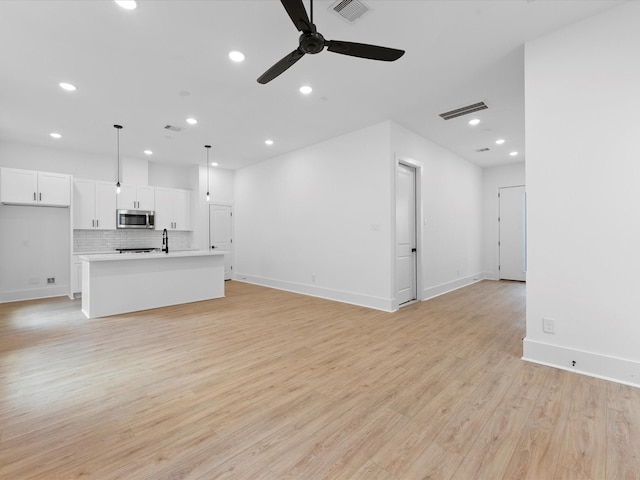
(485, 149)
(172, 128)
(458, 112)
(350, 10)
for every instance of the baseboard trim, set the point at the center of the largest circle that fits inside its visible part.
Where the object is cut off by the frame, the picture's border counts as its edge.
(619, 370)
(34, 294)
(377, 303)
(432, 292)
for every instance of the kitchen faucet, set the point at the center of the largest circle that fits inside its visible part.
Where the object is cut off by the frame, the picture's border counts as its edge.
(165, 241)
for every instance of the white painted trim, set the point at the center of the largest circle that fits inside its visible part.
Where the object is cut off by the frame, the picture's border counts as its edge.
(443, 288)
(490, 276)
(35, 294)
(592, 364)
(378, 303)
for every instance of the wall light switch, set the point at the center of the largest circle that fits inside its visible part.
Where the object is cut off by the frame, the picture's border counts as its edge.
(548, 325)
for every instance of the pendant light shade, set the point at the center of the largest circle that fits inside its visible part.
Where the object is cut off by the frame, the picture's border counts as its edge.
(118, 128)
(207, 165)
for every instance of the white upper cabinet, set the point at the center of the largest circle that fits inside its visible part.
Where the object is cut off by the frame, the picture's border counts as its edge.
(173, 209)
(28, 187)
(136, 198)
(94, 205)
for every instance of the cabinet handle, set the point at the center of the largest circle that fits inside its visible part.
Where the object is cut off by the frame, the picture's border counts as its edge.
(93, 223)
(97, 223)
(40, 196)
(34, 196)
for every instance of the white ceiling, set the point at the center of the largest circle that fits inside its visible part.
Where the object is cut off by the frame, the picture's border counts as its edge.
(136, 67)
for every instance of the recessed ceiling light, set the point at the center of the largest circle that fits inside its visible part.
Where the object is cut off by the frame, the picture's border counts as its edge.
(148, 152)
(269, 142)
(214, 164)
(513, 154)
(475, 121)
(55, 135)
(192, 121)
(306, 90)
(236, 56)
(500, 141)
(68, 87)
(127, 4)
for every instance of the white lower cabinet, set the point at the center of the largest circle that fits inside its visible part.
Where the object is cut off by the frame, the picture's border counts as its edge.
(173, 209)
(76, 274)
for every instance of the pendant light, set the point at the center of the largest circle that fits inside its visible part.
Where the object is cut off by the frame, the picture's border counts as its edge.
(118, 128)
(207, 165)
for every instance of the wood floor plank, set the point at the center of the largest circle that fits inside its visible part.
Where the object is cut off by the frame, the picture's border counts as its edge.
(270, 385)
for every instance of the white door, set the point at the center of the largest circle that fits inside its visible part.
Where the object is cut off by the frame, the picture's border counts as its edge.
(512, 236)
(406, 257)
(220, 234)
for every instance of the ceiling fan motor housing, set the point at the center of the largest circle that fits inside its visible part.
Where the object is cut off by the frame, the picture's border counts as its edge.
(311, 42)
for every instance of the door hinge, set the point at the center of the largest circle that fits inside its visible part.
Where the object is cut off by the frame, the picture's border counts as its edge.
(498, 194)
(498, 243)
(498, 218)
(231, 241)
(231, 214)
(498, 267)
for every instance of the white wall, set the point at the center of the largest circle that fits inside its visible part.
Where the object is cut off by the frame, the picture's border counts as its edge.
(304, 220)
(583, 172)
(451, 213)
(493, 179)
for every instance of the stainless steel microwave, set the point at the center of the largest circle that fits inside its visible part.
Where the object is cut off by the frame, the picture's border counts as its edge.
(135, 219)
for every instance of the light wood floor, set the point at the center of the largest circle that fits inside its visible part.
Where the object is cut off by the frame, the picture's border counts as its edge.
(266, 384)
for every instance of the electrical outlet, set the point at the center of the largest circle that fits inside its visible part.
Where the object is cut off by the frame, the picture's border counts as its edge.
(548, 325)
(51, 280)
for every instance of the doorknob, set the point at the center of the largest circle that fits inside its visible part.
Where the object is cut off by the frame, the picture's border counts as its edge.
(414, 250)
(213, 246)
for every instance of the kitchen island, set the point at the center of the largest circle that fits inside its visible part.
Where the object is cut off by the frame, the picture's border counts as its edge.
(122, 283)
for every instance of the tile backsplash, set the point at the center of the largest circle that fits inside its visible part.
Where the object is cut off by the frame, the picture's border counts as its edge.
(106, 240)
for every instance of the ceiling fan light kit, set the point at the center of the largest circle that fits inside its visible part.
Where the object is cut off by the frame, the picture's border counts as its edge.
(312, 42)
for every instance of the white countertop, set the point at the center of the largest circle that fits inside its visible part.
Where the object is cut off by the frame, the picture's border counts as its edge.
(110, 257)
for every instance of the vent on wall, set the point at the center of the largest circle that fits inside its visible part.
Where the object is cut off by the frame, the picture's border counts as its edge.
(350, 10)
(458, 112)
(172, 128)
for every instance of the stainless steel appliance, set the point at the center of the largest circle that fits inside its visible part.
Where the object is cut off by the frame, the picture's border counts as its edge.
(135, 219)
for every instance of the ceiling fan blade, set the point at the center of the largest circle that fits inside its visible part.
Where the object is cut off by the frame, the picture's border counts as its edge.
(363, 50)
(298, 14)
(281, 66)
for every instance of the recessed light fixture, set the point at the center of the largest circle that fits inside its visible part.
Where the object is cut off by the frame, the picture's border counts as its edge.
(55, 135)
(68, 86)
(474, 122)
(268, 142)
(214, 164)
(191, 121)
(236, 56)
(148, 152)
(306, 90)
(500, 141)
(127, 4)
(513, 154)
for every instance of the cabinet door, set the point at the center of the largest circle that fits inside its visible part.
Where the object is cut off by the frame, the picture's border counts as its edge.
(127, 199)
(54, 189)
(182, 209)
(18, 186)
(164, 208)
(84, 204)
(146, 198)
(105, 206)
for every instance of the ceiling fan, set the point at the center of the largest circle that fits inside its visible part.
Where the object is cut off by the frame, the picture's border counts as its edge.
(313, 42)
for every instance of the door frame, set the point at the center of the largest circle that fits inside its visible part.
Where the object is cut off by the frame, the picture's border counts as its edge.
(417, 166)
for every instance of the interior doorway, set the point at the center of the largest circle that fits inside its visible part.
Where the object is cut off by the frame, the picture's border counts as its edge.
(512, 228)
(406, 235)
(221, 234)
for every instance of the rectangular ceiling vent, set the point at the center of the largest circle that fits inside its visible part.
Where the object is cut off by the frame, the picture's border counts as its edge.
(485, 149)
(172, 128)
(458, 112)
(350, 10)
